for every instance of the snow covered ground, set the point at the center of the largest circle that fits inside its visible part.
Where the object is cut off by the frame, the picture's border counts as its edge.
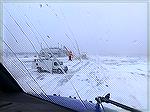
(125, 78)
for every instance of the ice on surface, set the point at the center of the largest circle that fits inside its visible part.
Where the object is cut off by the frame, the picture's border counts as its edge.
(124, 77)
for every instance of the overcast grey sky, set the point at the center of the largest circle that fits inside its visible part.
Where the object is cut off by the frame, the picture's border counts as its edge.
(97, 28)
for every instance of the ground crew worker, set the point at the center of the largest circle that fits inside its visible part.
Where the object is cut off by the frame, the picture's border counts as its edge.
(70, 55)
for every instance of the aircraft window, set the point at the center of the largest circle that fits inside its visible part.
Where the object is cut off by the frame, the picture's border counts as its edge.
(106, 50)
(61, 63)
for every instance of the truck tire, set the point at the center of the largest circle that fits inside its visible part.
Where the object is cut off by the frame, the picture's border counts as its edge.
(59, 71)
(39, 69)
(66, 69)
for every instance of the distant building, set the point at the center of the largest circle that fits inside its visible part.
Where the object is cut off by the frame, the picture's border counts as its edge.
(49, 52)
